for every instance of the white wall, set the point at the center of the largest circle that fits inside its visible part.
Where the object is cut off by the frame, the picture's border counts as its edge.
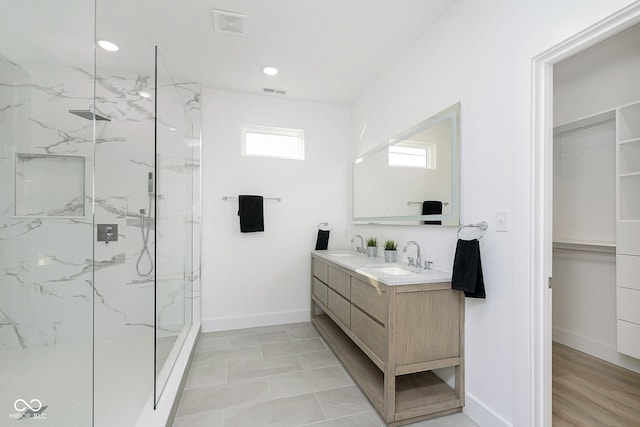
(252, 279)
(584, 185)
(480, 53)
(584, 305)
(599, 78)
(587, 280)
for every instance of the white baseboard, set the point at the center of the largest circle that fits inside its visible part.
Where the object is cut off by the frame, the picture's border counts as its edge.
(595, 348)
(481, 414)
(255, 320)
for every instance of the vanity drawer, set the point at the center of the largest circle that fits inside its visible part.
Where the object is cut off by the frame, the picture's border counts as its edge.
(369, 297)
(340, 282)
(370, 332)
(320, 291)
(339, 306)
(320, 270)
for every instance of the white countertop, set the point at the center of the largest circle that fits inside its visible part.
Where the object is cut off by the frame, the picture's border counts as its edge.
(390, 274)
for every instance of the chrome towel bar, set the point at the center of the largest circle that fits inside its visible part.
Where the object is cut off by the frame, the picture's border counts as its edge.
(277, 199)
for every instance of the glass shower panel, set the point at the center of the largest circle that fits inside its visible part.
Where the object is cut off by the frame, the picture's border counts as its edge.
(46, 224)
(178, 110)
(124, 267)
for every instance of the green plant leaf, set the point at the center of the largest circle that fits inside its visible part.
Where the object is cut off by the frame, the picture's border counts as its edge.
(390, 245)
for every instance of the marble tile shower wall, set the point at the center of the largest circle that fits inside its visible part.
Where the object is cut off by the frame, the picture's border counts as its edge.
(46, 273)
(45, 263)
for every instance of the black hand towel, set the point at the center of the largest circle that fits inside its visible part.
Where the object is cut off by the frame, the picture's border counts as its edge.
(251, 213)
(432, 207)
(323, 240)
(467, 269)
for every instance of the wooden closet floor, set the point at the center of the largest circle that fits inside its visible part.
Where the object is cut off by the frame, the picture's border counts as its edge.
(591, 392)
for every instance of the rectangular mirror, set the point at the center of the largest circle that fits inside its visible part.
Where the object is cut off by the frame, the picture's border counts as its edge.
(413, 178)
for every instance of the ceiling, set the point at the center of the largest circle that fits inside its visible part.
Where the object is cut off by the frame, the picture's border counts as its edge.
(326, 50)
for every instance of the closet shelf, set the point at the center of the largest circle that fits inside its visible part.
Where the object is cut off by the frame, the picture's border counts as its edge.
(585, 243)
(593, 247)
(629, 141)
(585, 122)
(629, 174)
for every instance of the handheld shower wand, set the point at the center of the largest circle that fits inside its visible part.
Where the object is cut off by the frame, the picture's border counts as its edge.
(145, 231)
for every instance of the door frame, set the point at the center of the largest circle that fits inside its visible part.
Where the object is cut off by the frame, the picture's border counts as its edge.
(542, 197)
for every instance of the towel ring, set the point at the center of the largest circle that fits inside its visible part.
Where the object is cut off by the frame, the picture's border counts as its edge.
(480, 225)
(326, 224)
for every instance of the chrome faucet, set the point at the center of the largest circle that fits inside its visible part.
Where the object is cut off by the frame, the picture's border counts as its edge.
(418, 261)
(359, 249)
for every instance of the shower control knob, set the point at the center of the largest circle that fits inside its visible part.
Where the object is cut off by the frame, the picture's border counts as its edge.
(107, 233)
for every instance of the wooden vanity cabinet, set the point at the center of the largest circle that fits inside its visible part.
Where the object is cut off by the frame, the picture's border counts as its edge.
(390, 338)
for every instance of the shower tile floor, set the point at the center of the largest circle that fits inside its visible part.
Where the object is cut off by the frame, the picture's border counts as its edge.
(282, 376)
(62, 378)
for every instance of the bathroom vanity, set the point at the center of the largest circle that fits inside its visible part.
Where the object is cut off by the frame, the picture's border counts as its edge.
(390, 327)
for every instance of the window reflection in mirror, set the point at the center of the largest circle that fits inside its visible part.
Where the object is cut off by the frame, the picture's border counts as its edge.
(412, 178)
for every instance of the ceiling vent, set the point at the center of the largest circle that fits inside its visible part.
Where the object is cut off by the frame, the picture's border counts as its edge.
(229, 22)
(274, 91)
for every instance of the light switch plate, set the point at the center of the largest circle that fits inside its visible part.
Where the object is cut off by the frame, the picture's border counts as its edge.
(502, 220)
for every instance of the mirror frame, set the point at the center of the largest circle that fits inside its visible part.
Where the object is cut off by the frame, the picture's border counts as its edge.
(451, 219)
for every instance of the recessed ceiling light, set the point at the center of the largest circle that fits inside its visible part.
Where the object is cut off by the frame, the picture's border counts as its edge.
(270, 71)
(107, 45)
(172, 128)
(144, 93)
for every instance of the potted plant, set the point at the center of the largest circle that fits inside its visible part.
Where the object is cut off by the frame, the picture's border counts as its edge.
(372, 247)
(390, 247)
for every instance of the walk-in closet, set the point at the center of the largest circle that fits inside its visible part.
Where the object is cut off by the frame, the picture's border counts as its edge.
(596, 229)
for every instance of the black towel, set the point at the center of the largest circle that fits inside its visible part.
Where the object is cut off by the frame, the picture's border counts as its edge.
(251, 213)
(432, 207)
(467, 269)
(323, 240)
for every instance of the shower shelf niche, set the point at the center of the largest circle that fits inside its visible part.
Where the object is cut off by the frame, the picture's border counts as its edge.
(49, 186)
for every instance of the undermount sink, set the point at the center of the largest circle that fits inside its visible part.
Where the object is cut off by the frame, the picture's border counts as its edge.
(401, 272)
(390, 274)
(394, 271)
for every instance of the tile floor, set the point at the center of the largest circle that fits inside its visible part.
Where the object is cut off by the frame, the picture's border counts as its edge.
(282, 376)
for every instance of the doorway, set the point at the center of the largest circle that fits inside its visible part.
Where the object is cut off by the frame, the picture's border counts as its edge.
(542, 232)
(592, 90)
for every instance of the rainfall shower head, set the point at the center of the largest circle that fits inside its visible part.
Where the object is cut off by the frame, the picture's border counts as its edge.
(88, 114)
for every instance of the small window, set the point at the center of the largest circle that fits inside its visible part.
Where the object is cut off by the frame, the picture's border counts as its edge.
(280, 143)
(423, 156)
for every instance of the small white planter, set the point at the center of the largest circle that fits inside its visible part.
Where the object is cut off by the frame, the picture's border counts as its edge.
(372, 251)
(390, 255)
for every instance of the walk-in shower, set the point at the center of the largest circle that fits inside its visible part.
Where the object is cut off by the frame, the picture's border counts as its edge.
(90, 330)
